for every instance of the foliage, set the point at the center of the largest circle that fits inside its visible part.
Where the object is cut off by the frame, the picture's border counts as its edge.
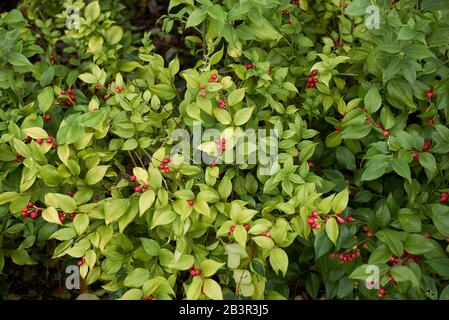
(87, 118)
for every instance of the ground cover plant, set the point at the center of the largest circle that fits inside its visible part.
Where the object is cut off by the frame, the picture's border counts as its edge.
(351, 200)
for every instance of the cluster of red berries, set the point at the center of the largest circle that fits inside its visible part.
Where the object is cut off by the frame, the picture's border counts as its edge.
(70, 94)
(202, 88)
(385, 132)
(427, 145)
(31, 210)
(312, 80)
(19, 157)
(369, 234)
(164, 165)
(221, 144)
(119, 89)
(415, 155)
(249, 66)
(394, 260)
(311, 220)
(444, 197)
(347, 256)
(81, 261)
(49, 140)
(138, 188)
(62, 216)
(195, 272)
(52, 59)
(149, 297)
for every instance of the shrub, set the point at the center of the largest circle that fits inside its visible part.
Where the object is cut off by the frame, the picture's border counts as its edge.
(91, 119)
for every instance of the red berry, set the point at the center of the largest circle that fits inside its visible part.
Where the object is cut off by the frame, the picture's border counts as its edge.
(380, 292)
(80, 262)
(415, 155)
(47, 117)
(61, 217)
(50, 140)
(444, 197)
(97, 197)
(162, 166)
(385, 133)
(106, 97)
(167, 170)
(364, 246)
(72, 215)
(246, 226)
(267, 234)
(337, 129)
(34, 215)
(310, 163)
(214, 77)
(429, 94)
(166, 160)
(213, 164)
(332, 255)
(203, 93)
(427, 235)
(430, 121)
(30, 204)
(145, 186)
(193, 272)
(310, 220)
(313, 225)
(62, 91)
(232, 228)
(69, 91)
(24, 213)
(315, 214)
(349, 219)
(222, 104)
(54, 146)
(202, 86)
(340, 220)
(369, 234)
(190, 202)
(118, 89)
(133, 178)
(19, 157)
(137, 189)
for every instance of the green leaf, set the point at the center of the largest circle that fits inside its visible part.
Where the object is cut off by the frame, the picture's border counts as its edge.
(196, 17)
(92, 10)
(340, 201)
(81, 222)
(45, 99)
(95, 174)
(212, 289)
(242, 116)
(401, 167)
(402, 274)
(236, 96)
(114, 209)
(50, 214)
(209, 267)
(332, 230)
(65, 202)
(150, 246)
(373, 101)
(145, 201)
(194, 290)
(136, 278)
(279, 260)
